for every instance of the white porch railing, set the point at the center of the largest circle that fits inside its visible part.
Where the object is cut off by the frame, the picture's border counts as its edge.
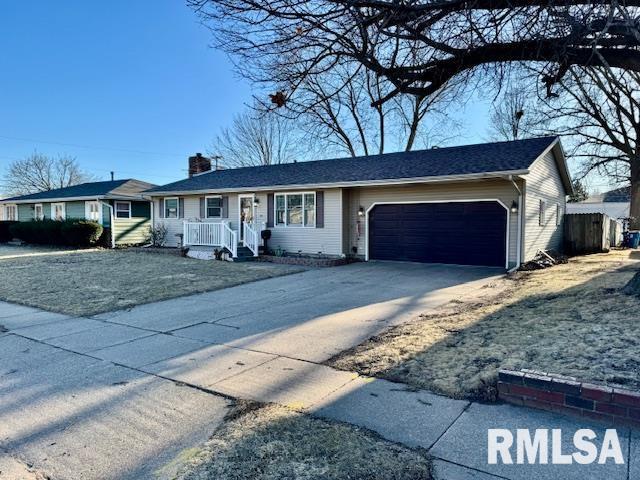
(251, 237)
(211, 235)
(229, 240)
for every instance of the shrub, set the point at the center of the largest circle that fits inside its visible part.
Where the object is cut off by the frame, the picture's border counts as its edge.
(80, 233)
(157, 236)
(76, 233)
(5, 234)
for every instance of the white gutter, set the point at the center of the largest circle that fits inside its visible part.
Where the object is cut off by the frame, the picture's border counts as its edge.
(519, 235)
(367, 183)
(75, 199)
(111, 222)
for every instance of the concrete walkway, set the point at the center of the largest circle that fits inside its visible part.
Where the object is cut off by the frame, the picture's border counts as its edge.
(122, 394)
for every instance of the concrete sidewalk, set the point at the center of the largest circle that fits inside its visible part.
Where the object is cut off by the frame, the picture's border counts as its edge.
(55, 403)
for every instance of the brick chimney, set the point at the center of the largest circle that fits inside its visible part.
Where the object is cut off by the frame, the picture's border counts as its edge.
(198, 164)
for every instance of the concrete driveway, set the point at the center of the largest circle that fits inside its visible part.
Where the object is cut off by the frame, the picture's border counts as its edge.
(308, 316)
(109, 397)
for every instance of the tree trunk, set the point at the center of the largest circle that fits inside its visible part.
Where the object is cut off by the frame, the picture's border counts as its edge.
(634, 223)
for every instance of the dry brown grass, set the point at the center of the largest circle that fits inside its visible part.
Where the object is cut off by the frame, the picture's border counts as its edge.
(274, 443)
(86, 282)
(570, 319)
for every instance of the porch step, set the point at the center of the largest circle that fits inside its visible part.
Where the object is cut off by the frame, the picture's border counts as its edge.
(244, 254)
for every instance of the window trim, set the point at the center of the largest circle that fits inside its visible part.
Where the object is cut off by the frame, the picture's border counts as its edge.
(286, 204)
(206, 206)
(35, 209)
(164, 206)
(87, 211)
(115, 209)
(542, 213)
(53, 211)
(13, 206)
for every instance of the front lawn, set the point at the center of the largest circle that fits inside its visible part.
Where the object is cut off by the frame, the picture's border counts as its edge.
(274, 443)
(86, 282)
(570, 319)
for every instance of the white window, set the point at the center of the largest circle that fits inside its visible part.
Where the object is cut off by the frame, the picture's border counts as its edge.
(38, 212)
(542, 215)
(558, 214)
(213, 207)
(11, 212)
(92, 211)
(123, 209)
(171, 207)
(295, 209)
(58, 211)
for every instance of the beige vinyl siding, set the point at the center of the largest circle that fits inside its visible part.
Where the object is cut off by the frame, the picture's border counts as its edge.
(502, 190)
(327, 240)
(192, 214)
(543, 183)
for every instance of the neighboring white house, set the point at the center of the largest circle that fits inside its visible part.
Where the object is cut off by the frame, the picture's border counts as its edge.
(492, 204)
(614, 203)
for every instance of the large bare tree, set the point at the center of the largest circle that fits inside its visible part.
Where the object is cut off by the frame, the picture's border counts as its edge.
(257, 138)
(598, 109)
(419, 46)
(513, 116)
(340, 111)
(39, 173)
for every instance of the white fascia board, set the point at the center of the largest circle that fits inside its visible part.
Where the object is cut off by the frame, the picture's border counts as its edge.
(55, 200)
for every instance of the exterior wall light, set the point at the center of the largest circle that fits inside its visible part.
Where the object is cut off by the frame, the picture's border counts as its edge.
(514, 207)
(256, 202)
(361, 212)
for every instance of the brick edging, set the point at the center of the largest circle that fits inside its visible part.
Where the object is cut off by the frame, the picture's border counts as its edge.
(569, 396)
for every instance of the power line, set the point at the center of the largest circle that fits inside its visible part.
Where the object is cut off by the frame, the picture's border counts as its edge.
(92, 147)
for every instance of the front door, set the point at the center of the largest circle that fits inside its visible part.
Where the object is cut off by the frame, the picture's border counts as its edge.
(246, 212)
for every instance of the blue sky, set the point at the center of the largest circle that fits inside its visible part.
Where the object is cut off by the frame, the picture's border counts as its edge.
(132, 76)
(129, 86)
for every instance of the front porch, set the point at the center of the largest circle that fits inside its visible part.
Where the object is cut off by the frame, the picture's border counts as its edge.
(221, 235)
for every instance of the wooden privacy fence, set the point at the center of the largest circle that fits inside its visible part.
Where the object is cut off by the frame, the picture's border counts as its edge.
(588, 233)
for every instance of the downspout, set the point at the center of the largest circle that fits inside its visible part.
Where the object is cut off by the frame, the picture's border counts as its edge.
(519, 233)
(111, 222)
(153, 218)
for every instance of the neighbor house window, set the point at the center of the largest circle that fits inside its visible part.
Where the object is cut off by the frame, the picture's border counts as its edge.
(558, 214)
(171, 208)
(123, 209)
(57, 211)
(92, 211)
(38, 212)
(542, 214)
(11, 212)
(213, 207)
(295, 209)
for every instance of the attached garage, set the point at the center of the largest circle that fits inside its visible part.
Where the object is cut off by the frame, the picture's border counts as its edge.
(464, 233)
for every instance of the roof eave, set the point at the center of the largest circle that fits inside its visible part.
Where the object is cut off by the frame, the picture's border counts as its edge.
(50, 200)
(368, 183)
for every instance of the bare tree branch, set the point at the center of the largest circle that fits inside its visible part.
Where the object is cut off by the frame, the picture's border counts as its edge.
(39, 173)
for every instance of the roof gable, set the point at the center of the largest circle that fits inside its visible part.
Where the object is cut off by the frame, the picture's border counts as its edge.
(514, 156)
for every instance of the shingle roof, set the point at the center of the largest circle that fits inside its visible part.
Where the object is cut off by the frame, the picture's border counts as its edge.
(463, 160)
(618, 195)
(126, 187)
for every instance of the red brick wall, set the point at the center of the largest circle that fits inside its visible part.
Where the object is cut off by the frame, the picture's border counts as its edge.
(569, 396)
